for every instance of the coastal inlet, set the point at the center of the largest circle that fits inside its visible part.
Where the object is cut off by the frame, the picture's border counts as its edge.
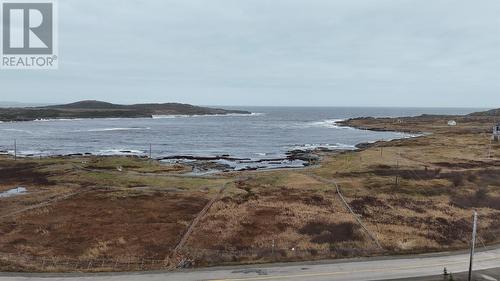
(267, 138)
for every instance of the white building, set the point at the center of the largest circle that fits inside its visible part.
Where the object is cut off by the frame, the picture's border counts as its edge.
(496, 132)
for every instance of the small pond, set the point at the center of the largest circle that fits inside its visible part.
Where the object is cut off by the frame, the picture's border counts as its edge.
(13, 192)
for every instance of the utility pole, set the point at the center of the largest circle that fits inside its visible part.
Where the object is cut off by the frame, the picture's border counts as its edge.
(150, 151)
(473, 244)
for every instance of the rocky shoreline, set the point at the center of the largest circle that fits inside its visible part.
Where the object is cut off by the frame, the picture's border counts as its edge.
(297, 158)
(226, 163)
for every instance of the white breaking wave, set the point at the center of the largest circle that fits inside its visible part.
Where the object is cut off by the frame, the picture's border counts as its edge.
(83, 119)
(117, 129)
(329, 123)
(153, 117)
(27, 153)
(17, 130)
(104, 152)
(213, 115)
(120, 152)
(309, 146)
(58, 119)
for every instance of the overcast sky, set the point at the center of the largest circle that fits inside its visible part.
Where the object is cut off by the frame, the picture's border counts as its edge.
(272, 52)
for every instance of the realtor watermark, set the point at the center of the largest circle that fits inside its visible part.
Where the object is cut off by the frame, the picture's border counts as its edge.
(29, 34)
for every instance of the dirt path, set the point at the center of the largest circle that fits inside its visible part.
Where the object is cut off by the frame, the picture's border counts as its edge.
(149, 174)
(356, 216)
(198, 217)
(43, 204)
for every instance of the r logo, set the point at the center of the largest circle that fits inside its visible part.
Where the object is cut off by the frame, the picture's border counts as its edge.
(28, 28)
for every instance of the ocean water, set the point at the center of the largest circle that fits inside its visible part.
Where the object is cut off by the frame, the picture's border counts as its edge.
(269, 132)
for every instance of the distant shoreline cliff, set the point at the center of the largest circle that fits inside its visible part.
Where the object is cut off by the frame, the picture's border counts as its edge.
(98, 109)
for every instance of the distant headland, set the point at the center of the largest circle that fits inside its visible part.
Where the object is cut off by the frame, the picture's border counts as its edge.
(99, 109)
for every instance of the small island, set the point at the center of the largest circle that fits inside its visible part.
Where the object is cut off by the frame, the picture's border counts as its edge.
(99, 109)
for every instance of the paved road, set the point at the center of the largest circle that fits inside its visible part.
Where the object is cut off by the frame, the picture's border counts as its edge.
(371, 269)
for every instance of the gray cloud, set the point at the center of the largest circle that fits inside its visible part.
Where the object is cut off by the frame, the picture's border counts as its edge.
(280, 52)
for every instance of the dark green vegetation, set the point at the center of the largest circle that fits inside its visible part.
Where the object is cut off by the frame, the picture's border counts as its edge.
(97, 109)
(493, 112)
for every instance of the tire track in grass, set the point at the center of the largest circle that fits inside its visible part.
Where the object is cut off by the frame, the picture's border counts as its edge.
(197, 219)
(187, 234)
(43, 204)
(356, 216)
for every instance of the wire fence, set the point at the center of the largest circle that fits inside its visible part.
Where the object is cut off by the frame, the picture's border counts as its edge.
(64, 264)
(211, 257)
(187, 258)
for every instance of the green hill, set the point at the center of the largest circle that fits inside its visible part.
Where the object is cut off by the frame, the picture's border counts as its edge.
(493, 112)
(99, 109)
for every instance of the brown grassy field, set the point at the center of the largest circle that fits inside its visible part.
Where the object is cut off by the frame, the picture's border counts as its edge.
(412, 195)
